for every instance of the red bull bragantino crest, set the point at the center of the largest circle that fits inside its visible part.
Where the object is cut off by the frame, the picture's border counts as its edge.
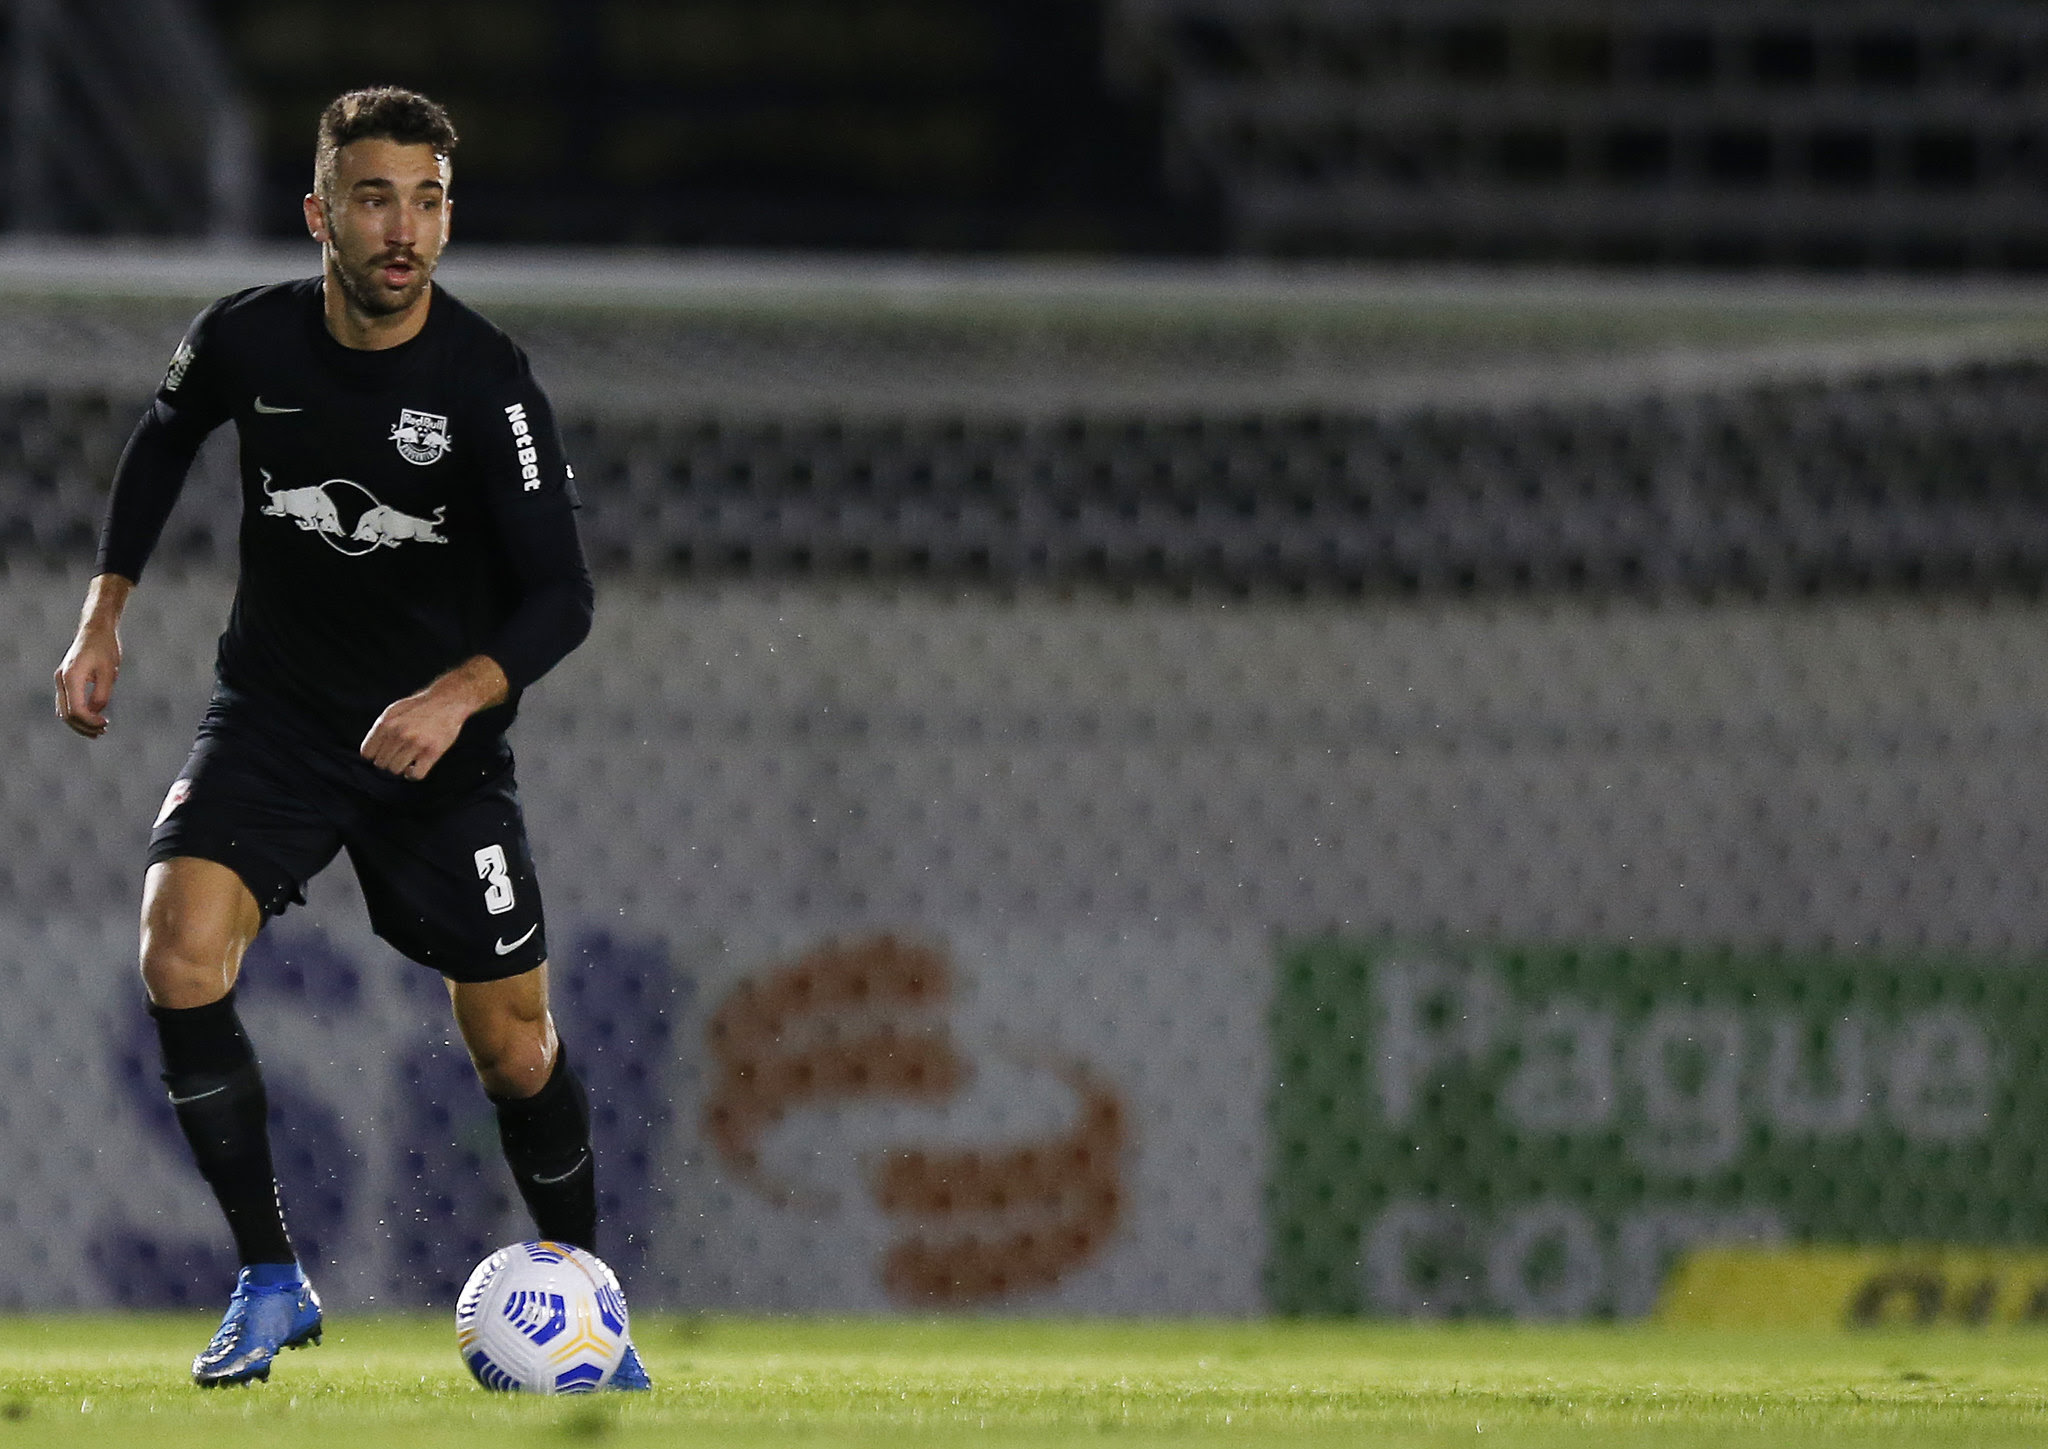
(421, 437)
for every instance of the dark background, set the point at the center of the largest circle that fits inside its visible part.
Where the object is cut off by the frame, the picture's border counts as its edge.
(1853, 136)
(955, 125)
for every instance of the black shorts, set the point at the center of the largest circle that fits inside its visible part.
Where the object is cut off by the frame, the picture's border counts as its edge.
(443, 862)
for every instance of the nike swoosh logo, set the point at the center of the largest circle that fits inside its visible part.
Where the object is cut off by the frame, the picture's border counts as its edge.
(564, 1177)
(198, 1096)
(506, 948)
(264, 407)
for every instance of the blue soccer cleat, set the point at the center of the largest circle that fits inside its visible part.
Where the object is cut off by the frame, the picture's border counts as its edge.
(631, 1375)
(273, 1307)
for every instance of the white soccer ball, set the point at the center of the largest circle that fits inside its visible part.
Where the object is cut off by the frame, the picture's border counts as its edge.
(542, 1318)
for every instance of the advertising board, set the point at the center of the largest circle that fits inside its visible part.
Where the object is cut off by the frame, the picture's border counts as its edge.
(1537, 1131)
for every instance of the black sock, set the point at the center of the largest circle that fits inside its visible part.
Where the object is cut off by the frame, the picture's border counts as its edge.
(547, 1145)
(217, 1091)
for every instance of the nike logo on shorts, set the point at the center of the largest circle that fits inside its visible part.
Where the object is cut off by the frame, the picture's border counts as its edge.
(506, 948)
(264, 407)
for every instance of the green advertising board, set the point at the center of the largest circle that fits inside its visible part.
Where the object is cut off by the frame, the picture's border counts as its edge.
(1537, 1131)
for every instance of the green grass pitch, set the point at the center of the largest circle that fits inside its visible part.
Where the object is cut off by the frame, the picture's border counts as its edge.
(914, 1383)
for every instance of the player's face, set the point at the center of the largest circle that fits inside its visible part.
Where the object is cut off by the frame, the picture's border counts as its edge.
(384, 223)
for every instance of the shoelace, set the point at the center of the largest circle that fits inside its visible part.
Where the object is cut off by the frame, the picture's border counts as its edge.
(237, 1314)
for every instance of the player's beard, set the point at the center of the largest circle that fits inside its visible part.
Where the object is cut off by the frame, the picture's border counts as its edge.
(364, 287)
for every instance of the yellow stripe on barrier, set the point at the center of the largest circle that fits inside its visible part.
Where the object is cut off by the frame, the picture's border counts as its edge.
(1918, 1286)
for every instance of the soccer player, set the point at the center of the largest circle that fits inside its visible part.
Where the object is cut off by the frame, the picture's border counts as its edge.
(409, 565)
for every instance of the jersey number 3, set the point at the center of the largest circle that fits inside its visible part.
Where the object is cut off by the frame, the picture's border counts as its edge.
(497, 878)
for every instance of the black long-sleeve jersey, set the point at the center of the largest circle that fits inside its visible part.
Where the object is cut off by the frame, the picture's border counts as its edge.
(403, 510)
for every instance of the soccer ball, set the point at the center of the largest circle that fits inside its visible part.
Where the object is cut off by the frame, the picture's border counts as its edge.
(542, 1318)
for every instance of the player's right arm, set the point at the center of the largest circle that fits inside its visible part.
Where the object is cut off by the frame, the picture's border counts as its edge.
(188, 405)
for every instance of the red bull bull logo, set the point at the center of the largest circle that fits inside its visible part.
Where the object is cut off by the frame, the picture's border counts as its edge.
(868, 1020)
(319, 508)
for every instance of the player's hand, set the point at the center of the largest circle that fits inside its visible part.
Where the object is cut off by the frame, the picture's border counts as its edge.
(85, 680)
(411, 735)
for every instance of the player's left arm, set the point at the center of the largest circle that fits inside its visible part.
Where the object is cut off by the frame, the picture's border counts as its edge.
(531, 497)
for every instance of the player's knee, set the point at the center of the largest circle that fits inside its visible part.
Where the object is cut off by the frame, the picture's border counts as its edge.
(514, 1061)
(197, 920)
(509, 1031)
(184, 969)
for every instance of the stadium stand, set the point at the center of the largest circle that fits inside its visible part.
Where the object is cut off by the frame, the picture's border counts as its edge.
(1916, 479)
(1920, 479)
(1826, 135)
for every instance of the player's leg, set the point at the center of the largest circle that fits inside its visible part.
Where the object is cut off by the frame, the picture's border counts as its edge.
(543, 1110)
(457, 892)
(543, 1113)
(198, 918)
(454, 888)
(239, 835)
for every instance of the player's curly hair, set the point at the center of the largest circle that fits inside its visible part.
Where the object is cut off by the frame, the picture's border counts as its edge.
(387, 113)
